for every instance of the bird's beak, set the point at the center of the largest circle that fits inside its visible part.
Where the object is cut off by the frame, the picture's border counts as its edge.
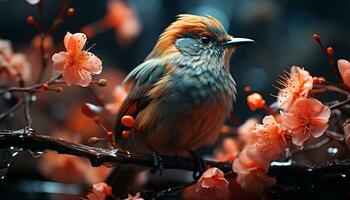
(236, 42)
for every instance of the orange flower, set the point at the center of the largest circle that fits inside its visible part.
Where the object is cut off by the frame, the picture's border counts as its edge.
(211, 185)
(251, 175)
(5, 52)
(256, 181)
(76, 64)
(245, 131)
(244, 164)
(344, 69)
(296, 86)
(48, 42)
(229, 150)
(123, 19)
(305, 118)
(19, 67)
(255, 101)
(99, 191)
(270, 144)
(136, 197)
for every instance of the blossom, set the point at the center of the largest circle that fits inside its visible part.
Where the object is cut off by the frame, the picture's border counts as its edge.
(244, 164)
(136, 197)
(229, 150)
(5, 52)
(296, 86)
(211, 185)
(19, 66)
(48, 42)
(270, 143)
(76, 64)
(255, 101)
(122, 18)
(256, 181)
(305, 118)
(245, 131)
(99, 191)
(344, 69)
(251, 175)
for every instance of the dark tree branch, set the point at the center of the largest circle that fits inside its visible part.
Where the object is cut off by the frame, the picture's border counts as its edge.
(30, 140)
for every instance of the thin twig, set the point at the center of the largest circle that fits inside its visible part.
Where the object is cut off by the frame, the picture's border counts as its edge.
(13, 109)
(97, 98)
(27, 100)
(42, 38)
(35, 87)
(333, 88)
(341, 103)
(60, 17)
(334, 135)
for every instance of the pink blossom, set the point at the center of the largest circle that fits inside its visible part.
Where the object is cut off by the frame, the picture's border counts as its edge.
(211, 185)
(296, 86)
(99, 191)
(19, 66)
(135, 197)
(245, 131)
(229, 150)
(344, 69)
(255, 181)
(76, 65)
(307, 117)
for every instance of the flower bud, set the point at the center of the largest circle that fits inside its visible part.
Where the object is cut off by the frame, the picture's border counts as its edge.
(102, 82)
(255, 101)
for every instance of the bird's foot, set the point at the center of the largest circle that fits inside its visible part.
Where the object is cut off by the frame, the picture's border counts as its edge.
(200, 165)
(157, 162)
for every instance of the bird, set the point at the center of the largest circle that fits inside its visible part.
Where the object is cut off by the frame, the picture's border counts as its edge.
(182, 93)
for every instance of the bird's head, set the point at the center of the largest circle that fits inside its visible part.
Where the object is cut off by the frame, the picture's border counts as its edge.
(197, 36)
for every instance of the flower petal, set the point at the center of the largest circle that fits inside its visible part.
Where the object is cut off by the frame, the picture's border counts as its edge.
(299, 137)
(59, 61)
(75, 42)
(94, 64)
(344, 69)
(75, 77)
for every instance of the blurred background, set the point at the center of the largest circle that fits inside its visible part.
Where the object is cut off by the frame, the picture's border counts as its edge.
(126, 31)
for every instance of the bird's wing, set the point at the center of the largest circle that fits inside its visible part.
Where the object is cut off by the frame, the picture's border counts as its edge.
(144, 77)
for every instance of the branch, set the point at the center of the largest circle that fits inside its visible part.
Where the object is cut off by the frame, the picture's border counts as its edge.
(30, 140)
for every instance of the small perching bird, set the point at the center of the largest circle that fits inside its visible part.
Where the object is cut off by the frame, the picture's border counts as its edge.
(181, 93)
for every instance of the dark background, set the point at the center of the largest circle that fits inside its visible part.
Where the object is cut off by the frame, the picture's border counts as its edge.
(282, 30)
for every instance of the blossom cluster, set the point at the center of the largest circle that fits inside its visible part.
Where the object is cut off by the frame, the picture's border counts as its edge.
(14, 65)
(300, 117)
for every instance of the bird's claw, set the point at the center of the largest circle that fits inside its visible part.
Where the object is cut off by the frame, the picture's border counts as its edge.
(158, 163)
(200, 165)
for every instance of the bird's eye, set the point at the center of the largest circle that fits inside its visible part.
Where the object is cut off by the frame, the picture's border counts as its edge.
(205, 40)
